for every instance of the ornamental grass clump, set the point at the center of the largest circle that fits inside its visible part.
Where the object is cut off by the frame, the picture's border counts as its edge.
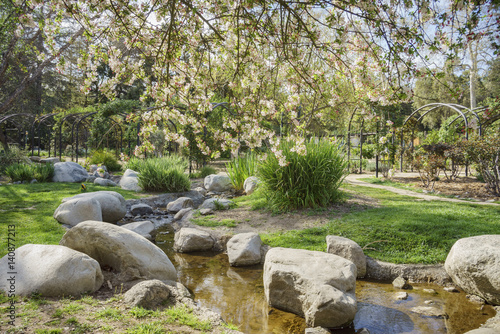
(307, 181)
(162, 174)
(105, 158)
(27, 172)
(240, 168)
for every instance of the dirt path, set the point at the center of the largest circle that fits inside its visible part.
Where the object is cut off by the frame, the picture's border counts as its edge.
(354, 180)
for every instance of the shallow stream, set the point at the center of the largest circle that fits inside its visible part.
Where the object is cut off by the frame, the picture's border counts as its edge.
(237, 293)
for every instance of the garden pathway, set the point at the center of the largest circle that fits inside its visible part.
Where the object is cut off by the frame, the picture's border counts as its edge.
(354, 180)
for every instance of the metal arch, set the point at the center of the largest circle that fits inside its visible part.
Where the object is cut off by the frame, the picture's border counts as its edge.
(437, 105)
(455, 107)
(474, 112)
(40, 121)
(6, 117)
(63, 120)
(77, 122)
(492, 120)
(349, 139)
(17, 125)
(140, 121)
(115, 124)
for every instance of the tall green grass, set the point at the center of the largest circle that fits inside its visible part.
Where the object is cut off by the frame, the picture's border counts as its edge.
(105, 158)
(162, 174)
(308, 181)
(204, 172)
(27, 172)
(240, 168)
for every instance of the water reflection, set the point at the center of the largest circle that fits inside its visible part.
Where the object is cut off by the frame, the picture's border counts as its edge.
(237, 293)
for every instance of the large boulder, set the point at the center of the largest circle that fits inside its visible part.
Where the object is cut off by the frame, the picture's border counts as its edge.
(130, 181)
(69, 172)
(474, 265)
(75, 211)
(143, 228)
(183, 212)
(179, 204)
(126, 252)
(217, 182)
(244, 249)
(104, 182)
(113, 207)
(216, 204)
(189, 239)
(349, 250)
(250, 184)
(51, 271)
(141, 209)
(316, 285)
(147, 294)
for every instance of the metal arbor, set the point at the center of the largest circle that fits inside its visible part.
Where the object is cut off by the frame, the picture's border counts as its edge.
(465, 114)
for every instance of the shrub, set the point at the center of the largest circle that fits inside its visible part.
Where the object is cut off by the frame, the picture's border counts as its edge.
(207, 170)
(24, 172)
(485, 154)
(310, 180)
(429, 161)
(12, 156)
(162, 174)
(105, 158)
(204, 172)
(240, 168)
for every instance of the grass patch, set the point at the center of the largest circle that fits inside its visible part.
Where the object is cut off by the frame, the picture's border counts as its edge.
(141, 313)
(209, 221)
(185, 316)
(78, 316)
(230, 325)
(30, 208)
(152, 328)
(48, 331)
(204, 172)
(110, 313)
(386, 182)
(255, 201)
(402, 230)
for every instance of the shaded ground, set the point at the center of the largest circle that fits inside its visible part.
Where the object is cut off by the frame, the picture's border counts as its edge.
(263, 221)
(243, 219)
(463, 187)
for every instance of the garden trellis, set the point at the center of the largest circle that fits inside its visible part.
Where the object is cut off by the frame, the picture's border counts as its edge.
(467, 115)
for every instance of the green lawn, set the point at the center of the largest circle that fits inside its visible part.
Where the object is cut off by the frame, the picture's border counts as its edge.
(30, 208)
(402, 230)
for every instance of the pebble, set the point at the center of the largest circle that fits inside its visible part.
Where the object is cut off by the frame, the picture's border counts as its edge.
(451, 289)
(475, 299)
(431, 291)
(205, 212)
(401, 295)
(401, 283)
(430, 311)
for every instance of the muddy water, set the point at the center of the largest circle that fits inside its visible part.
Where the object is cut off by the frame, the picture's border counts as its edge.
(238, 295)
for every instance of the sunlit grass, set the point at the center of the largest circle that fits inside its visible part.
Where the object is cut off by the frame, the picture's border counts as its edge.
(402, 230)
(30, 208)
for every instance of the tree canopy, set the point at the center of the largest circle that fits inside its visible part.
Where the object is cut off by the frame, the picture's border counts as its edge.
(305, 62)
